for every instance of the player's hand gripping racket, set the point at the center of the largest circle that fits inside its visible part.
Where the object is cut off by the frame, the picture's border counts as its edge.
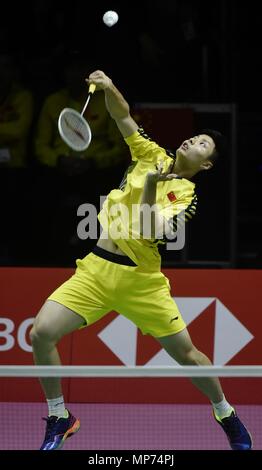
(73, 128)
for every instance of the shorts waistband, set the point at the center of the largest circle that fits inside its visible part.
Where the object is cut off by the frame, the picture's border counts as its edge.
(113, 257)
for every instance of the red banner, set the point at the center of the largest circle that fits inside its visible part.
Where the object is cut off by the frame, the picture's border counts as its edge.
(221, 308)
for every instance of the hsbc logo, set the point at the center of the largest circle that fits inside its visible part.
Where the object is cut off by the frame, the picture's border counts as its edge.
(230, 335)
(8, 338)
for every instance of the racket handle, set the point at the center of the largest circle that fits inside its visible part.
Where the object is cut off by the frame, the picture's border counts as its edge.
(92, 88)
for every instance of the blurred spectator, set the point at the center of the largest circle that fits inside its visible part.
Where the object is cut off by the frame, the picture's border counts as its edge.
(16, 112)
(106, 148)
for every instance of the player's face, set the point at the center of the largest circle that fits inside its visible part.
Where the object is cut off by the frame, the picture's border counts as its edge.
(196, 150)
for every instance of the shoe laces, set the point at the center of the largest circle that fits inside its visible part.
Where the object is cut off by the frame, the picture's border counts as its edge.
(231, 425)
(51, 427)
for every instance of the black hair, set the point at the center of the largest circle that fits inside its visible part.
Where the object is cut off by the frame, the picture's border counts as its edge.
(220, 143)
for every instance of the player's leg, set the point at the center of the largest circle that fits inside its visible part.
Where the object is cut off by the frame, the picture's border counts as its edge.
(146, 301)
(80, 301)
(180, 347)
(52, 323)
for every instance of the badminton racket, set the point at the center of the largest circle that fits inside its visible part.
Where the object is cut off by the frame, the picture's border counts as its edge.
(73, 127)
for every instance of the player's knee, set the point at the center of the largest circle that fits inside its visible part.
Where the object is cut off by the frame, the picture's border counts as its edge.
(41, 334)
(189, 357)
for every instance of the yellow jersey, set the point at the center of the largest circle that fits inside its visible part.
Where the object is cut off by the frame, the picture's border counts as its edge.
(120, 214)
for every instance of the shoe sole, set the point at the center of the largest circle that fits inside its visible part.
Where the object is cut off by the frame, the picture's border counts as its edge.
(250, 448)
(69, 433)
(251, 438)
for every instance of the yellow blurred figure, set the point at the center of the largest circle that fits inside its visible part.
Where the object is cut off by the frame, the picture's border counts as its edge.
(16, 113)
(106, 148)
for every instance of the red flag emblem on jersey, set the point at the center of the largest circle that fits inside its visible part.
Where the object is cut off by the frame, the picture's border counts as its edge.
(171, 196)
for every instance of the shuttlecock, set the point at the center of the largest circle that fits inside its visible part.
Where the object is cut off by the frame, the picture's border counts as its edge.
(110, 18)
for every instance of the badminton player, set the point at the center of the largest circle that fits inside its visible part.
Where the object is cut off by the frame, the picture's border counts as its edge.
(123, 273)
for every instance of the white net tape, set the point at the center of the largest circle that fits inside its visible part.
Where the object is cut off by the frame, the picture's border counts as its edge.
(130, 371)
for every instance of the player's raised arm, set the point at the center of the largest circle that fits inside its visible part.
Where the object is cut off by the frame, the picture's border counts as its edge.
(116, 104)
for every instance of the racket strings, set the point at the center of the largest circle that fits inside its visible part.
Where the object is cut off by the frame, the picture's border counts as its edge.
(74, 130)
(77, 119)
(74, 125)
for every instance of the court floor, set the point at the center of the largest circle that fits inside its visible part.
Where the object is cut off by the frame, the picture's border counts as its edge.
(126, 426)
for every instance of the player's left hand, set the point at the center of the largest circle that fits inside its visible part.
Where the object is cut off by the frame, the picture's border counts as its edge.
(160, 175)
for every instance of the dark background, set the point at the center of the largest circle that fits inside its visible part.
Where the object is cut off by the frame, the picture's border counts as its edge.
(200, 52)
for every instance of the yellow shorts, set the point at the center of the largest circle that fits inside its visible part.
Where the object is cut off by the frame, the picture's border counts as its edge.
(99, 286)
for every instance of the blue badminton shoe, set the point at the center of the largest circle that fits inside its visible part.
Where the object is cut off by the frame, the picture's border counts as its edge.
(58, 430)
(237, 434)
